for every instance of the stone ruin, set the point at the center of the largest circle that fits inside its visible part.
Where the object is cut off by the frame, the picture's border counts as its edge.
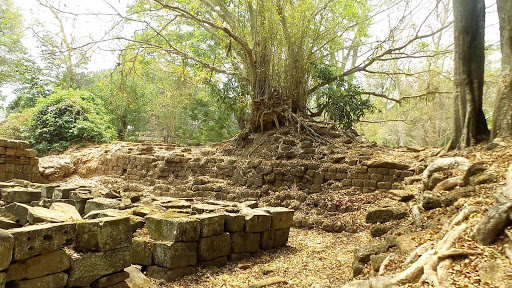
(55, 236)
(17, 161)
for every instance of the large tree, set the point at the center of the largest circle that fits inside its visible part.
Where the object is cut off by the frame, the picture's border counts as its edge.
(11, 49)
(502, 118)
(470, 126)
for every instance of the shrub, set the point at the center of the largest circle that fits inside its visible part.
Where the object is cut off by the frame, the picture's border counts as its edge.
(68, 117)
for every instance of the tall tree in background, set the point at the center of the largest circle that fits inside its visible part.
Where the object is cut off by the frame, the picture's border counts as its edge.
(502, 118)
(470, 125)
(11, 48)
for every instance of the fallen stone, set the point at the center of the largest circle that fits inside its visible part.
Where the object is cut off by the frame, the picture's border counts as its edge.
(376, 261)
(210, 224)
(63, 192)
(281, 217)
(47, 190)
(362, 254)
(142, 251)
(213, 247)
(169, 275)
(383, 215)
(268, 282)
(34, 240)
(60, 212)
(17, 212)
(175, 254)
(42, 265)
(103, 234)
(54, 280)
(47, 203)
(87, 268)
(137, 279)
(112, 195)
(256, 220)
(405, 244)
(173, 227)
(20, 195)
(8, 224)
(378, 230)
(412, 179)
(387, 164)
(400, 195)
(242, 242)
(443, 164)
(101, 204)
(6, 248)
(109, 280)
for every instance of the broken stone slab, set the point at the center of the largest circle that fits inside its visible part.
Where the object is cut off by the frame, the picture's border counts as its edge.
(173, 227)
(109, 280)
(256, 220)
(58, 213)
(281, 217)
(175, 254)
(8, 224)
(443, 164)
(47, 190)
(53, 280)
(17, 212)
(20, 195)
(39, 266)
(386, 214)
(210, 224)
(243, 242)
(103, 234)
(137, 279)
(169, 275)
(213, 247)
(6, 248)
(63, 192)
(142, 251)
(281, 237)
(86, 268)
(234, 222)
(47, 203)
(34, 240)
(101, 204)
(388, 164)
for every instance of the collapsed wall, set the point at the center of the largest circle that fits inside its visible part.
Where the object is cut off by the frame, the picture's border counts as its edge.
(168, 237)
(17, 161)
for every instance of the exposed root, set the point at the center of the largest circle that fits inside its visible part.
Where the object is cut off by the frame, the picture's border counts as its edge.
(432, 266)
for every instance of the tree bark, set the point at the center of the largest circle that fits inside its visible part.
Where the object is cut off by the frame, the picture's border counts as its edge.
(470, 125)
(502, 117)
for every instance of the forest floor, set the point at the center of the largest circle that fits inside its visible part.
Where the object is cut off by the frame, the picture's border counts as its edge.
(315, 258)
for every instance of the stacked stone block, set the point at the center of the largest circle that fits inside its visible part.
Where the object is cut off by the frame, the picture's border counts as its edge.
(17, 161)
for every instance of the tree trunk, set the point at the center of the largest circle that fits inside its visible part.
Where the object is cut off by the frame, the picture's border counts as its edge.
(470, 126)
(502, 118)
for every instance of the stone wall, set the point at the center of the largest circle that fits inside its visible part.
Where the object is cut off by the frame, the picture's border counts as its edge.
(17, 161)
(86, 240)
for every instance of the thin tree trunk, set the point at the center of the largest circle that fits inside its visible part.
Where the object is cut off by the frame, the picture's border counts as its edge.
(502, 118)
(470, 126)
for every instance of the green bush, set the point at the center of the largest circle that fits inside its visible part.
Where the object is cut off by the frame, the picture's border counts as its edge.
(68, 117)
(15, 125)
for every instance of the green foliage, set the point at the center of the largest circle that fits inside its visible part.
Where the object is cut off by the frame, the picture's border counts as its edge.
(68, 117)
(11, 49)
(234, 95)
(16, 124)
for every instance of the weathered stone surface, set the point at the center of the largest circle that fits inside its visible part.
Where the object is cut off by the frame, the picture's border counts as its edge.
(6, 248)
(378, 230)
(170, 228)
(210, 224)
(142, 251)
(55, 280)
(34, 240)
(387, 164)
(443, 164)
(8, 224)
(109, 280)
(175, 254)
(17, 212)
(86, 268)
(267, 239)
(39, 266)
(400, 195)
(256, 220)
(101, 204)
(217, 262)
(103, 234)
(376, 261)
(243, 242)
(281, 237)
(234, 222)
(281, 217)
(268, 282)
(20, 195)
(239, 256)
(63, 192)
(137, 279)
(213, 247)
(169, 275)
(383, 215)
(60, 212)
(47, 190)
(362, 254)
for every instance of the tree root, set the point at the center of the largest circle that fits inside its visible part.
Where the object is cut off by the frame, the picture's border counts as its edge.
(432, 266)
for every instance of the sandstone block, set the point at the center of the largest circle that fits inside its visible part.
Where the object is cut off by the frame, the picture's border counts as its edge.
(6, 248)
(8, 224)
(17, 212)
(20, 195)
(170, 228)
(34, 240)
(63, 192)
(256, 220)
(383, 215)
(234, 222)
(89, 267)
(281, 217)
(142, 251)
(58, 213)
(39, 266)
(210, 224)
(267, 239)
(101, 204)
(242, 242)
(47, 190)
(213, 247)
(137, 279)
(169, 275)
(175, 254)
(54, 280)
(281, 237)
(109, 280)
(103, 234)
